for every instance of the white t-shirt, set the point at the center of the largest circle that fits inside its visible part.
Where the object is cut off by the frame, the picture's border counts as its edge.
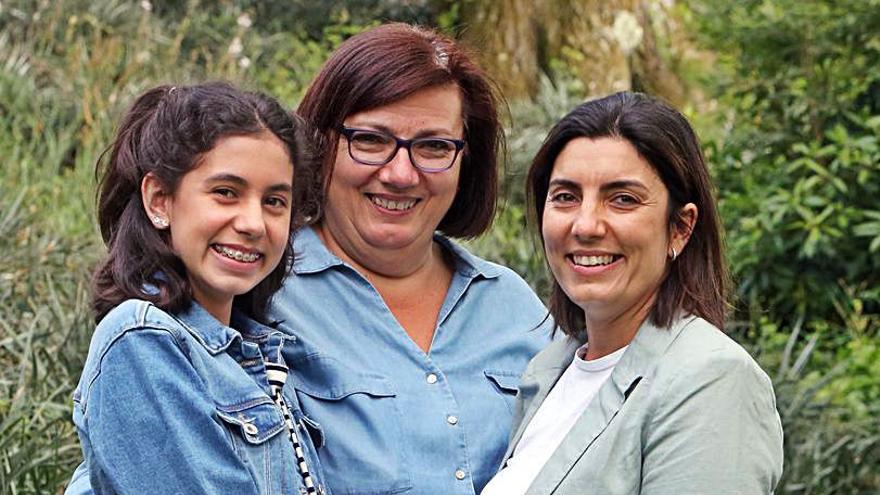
(558, 413)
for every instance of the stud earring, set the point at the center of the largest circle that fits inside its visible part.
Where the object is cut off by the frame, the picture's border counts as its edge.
(674, 254)
(160, 222)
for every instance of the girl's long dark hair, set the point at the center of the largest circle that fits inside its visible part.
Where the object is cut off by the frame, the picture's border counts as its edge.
(167, 131)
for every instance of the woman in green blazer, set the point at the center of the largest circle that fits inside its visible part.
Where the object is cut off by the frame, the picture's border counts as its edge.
(644, 394)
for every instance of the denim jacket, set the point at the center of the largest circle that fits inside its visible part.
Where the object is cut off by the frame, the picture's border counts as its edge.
(181, 404)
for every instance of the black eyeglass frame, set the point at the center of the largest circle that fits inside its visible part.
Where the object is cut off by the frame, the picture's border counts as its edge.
(348, 132)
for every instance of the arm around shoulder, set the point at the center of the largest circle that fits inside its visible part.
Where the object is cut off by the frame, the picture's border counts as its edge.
(714, 429)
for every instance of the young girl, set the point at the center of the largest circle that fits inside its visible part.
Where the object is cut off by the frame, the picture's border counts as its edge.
(183, 388)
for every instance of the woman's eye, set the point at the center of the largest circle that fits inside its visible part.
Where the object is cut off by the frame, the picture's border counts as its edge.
(625, 200)
(562, 197)
(436, 145)
(369, 139)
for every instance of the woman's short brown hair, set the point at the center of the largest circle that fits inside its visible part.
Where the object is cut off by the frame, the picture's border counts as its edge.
(388, 63)
(697, 279)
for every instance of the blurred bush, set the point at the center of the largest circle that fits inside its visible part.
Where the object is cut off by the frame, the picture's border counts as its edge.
(795, 144)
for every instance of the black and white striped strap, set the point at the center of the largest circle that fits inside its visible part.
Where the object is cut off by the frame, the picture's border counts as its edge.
(277, 375)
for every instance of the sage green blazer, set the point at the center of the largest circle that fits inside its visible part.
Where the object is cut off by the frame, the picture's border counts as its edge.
(685, 411)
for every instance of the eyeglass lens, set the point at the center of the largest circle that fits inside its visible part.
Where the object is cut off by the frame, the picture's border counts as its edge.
(379, 148)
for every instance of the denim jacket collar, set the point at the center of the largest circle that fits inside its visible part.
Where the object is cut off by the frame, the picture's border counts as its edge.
(312, 256)
(217, 337)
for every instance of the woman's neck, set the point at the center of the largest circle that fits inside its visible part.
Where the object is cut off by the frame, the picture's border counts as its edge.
(413, 284)
(607, 333)
(415, 259)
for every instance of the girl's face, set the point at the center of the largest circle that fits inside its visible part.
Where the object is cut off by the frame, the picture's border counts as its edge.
(230, 217)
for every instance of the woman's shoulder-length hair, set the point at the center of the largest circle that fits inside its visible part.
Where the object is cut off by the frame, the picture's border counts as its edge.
(696, 281)
(390, 62)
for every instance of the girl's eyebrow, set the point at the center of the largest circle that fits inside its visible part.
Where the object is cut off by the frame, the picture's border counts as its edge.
(280, 187)
(240, 181)
(226, 177)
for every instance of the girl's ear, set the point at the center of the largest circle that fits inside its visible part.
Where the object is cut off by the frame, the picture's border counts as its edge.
(157, 202)
(682, 229)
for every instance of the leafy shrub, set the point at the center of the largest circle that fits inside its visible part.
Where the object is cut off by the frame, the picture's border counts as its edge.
(796, 150)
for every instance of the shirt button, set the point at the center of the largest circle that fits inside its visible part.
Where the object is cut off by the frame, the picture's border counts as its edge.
(431, 378)
(251, 429)
(459, 474)
(451, 419)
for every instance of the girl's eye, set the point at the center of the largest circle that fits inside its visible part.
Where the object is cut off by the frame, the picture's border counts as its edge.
(276, 202)
(224, 192)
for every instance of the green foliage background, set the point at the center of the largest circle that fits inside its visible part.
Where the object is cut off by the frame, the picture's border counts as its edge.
(788, 107)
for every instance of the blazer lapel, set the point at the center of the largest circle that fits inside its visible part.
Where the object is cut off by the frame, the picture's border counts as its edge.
(585, 431)
(637, 362)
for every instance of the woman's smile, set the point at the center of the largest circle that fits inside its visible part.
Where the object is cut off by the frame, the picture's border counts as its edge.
(605, 227)
(594, 263)
(392, 204)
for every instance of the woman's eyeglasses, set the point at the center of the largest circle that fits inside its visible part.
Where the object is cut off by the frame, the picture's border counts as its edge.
(371, 147)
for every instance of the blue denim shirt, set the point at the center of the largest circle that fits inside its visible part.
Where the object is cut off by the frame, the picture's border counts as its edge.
(181, 404)
(394, 419)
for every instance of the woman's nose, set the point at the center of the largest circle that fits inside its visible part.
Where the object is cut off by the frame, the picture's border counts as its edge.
(400, 172)
(590, 223)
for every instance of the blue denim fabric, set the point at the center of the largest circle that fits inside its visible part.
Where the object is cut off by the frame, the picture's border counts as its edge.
(394, 419)
(181, 404)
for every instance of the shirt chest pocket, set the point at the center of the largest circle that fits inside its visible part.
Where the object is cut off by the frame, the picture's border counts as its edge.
(358, 415)
(257, 431)
(505, 384)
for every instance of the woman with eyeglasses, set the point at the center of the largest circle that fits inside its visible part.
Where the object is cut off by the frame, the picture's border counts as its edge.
(409, 348)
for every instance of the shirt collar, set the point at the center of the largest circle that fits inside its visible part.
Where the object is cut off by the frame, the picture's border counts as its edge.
(312, 256)
(215, 336)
